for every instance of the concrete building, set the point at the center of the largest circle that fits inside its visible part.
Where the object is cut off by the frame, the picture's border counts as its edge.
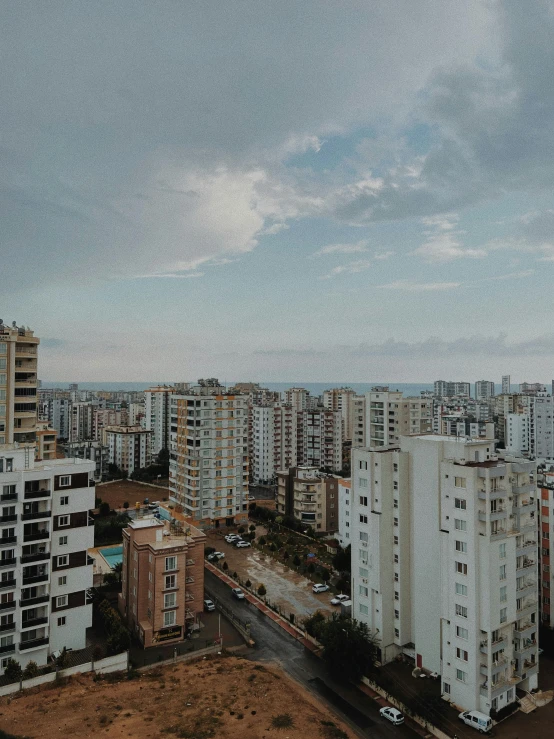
(444, 540)
(273, 440)
(319, 439)
(157, 403)
(80, 421)
(545, 485)
(60, 416)
(18, 384)
(209, 464)
(45, 442)
(518, 434)
(389, 415)
(136, 414)
(447, 389)
(128, 447)
(543, 417)
(162, 579)
(342, 399)
(93, 451)
(345, 507)
(484, 389)
(531, 388)
(359, 427)
(298, 397)
(45, 531)
(309, 496)
(506, 384)
(104, 417)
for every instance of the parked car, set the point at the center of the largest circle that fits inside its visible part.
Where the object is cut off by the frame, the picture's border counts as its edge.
(242, 544)
(392, 714)
(477, 720)
(320, 588)
(237, 541)
(209, 605)
(230, 538)
(215, 556)
(237, 593)
(338, 599)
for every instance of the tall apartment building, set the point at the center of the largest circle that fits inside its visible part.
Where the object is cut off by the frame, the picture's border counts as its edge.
(545, 484)
(81, 421)
(484, 389)
(506, 384)
(319, 439)
(447, 389)
(342, 399)
(389, 415)
(359, 416)
(18, 384)
(137, 415)
(93, 451)
(162, 591)
(343, 534)
(444, 540)
(299, 398)
(45, 531)
(310, 496)
(104, 417)
(60, 416)
(128, 447)
(46, 442)
(531, 388)
(209, 464)
(518, 434)
(157, 403)
(543, 417)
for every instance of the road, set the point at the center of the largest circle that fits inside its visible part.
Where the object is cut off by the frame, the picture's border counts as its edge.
(273, 644)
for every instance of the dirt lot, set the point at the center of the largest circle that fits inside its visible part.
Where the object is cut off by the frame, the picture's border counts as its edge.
(222, 697)
(116, 493)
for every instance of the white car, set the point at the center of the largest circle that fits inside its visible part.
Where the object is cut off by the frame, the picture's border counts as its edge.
(338, 599)
(230, 538)
(320, 588)
(393, 715)
(237, 593)
(209, 605)
(215, 556)
(242, 544)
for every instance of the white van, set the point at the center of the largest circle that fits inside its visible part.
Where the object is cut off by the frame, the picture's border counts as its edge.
(478, 720)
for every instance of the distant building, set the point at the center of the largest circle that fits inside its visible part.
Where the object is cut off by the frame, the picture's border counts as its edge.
(359, 421)
(345, 506)
(389, 416)
(310, 496)
(18, 384)
(531, 388)
(93, 451)
(342, 399)
(545, 484)
(444, 389)
(46, 441)
(484, 389)
(319, 439)
(157, 404)
(506, 384)
(128, 447)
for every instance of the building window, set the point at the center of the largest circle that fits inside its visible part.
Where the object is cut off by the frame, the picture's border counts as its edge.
(502, 572)
(462, 633)
(170, 618)
(64, 500)
(63, 541)
(364, 591)
(61, 621)
(64, 521)
(502, 551)
(362, 482)
(363, 465)
(460, 525)
(63, 560)
(363, 609)
(503, 615)
(363, 536)
(170, 600)
(363, 572)
(461, 589)
(170, 582)
(459, 482)
(170, 563)
(65, 481)
(62, 580)
(460, 504)
(462, 654)
(363, 499)
(61, 601)
(461, 610)
(363, 519)
(461, 546)
(395, 539)
(503, 594)
(461, 676)
(461, 568)
(446, 688)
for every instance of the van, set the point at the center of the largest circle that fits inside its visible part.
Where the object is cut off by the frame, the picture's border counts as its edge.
(477, 720)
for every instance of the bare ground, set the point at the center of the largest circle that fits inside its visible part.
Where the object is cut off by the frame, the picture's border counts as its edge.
(117, 493)
(223, 697)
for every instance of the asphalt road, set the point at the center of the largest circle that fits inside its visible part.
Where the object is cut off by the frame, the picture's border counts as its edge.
(273, 644)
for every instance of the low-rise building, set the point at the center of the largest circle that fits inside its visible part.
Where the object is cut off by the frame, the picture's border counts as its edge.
(309, 496)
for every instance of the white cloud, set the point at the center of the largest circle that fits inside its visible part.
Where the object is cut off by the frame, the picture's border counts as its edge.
(351, 268)
(409, 286)
(359, 246)
(443, 242)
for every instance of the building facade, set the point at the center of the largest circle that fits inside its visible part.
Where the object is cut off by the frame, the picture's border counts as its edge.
(128, 447)
(319, 439)
(157, 406)
(484, 389)
(447, 389)
(344, 512)
(342, 400)
(310, 496)
(18, 384)
(545, 484)
(389, 415)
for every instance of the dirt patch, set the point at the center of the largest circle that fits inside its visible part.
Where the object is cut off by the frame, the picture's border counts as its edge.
(222, 697)
(117, 493)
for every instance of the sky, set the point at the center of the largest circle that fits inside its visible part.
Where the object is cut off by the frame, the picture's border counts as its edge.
(254, 190)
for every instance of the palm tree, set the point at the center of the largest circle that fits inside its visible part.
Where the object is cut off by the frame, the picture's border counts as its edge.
(118, 569)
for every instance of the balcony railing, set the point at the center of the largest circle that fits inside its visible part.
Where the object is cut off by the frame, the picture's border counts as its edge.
(38, 557)
(8, 562)
(8, 519)
(7, 584)
(7, 627)
(8, 605)
(33, 644)
(8, 649)
(36, 536)
(33, 579)
(32, 494)
(6, 540)
(25, 602)
(32, 622)
(8, 496)
(35, 515)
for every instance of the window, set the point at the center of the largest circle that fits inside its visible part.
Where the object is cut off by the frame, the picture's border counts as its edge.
(459, 482)
(364, 591)
(397, 614)
(64, 500)
(363, 609)
(363, 556)
(503, 615)
(363, 572)
(461, 611)
(61, 621)
(461, 676)
(396, 595)
(461, 589)
(363, 499)
(63, 560)
(170, 563)
(461, 568)
(65, 481)
(170, 582)
(63, 521)
(363, 465)
(461, 546)
(362, 482)
(169, 618)
(6, 641)
(503, 594)
(63, 541)
(460, 525)
(446, 688)
(502, 551)
(363, 519)
(460, 504)
(170, 600)
(396, 539)
(462, 654)
(61, 601)
(461, 632)
(62, 580)
(363, 536)
(502, 572)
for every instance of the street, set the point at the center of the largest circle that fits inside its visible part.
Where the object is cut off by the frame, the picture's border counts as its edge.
(273, 644)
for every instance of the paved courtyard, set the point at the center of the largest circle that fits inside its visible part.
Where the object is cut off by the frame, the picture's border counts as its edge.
(287, 588)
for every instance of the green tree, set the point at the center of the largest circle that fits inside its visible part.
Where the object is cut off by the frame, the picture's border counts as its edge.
(31, 670)
(286, 555)
(225, 566)
(296, 560)
(348, 647)
(261, 590)
(13, 670)
(325, 576)
(104, 509)
(311, 568)
(248, 584)
(262, 541)
(314, 624)
(342, 560)
(241, 529)
(252, 527)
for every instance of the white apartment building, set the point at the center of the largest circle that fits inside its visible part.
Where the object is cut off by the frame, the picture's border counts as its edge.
(45, 531)
(506, 384)
(299, 398)
(342, 399)
(81, 421)
(359, 416)
(60, 416)
(136, 414)
(273, 440)
(319, 439)
(157, 406)
(128, 447)
(18, 384)
(518, 434)
(446, 389)
(543, 417)
(104, 417)
(444, 542)
(343, 534)
(208, 472)
(389, 415)
(545, 483)
(484, 389)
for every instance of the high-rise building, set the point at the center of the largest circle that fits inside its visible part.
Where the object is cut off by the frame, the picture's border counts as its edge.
(273, 441)
(444, 389)
(389, 415)
(506, 384)
(60, 417)
(310, 496)
(319, 439)
(128, 447)
(157, 402)
(18, 384)
(444, 543)
(531, 388)
(545, 484)
(484, 389)
(298, 397)
(359, 415)
(209, 470)
(342, 399)
(343, 533)
(81, 417)
(543, 417)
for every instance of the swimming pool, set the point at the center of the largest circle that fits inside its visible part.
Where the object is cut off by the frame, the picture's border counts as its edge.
(112, 555)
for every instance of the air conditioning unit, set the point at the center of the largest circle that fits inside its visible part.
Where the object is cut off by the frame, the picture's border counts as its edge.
(365, 580)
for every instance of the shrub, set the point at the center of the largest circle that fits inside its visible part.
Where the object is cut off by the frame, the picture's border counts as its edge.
(126, 504)
(262, 590)
(241, 529)
(325, 576)
(31, 670)
(97, 502)
(13, 670)
(104, 509)
(262, 541)
(296, 560)
(314, 623)
(282, 721)
(251, 527)
(311, 568)
(248, 584)
(225, 566)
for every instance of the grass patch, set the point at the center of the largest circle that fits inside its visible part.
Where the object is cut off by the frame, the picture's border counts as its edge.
(282, 721)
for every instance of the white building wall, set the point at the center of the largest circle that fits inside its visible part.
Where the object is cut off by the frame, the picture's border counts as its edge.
(345, 508)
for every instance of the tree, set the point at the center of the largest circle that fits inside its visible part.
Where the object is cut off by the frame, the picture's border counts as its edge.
(248, 584)
(241, 529)
(261, 590)
(104, 509)
(262, 541)
(251, 527)
(348, 647)
(126, 504)
(325, 576)
(296, 560)
(314, 623)
(286, 555)
(342, 560)
(31, 670)
(225, 566)
(311, 568)
(13, 670)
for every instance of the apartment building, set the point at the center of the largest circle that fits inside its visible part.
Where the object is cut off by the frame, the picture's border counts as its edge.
(59, 415)
(447, 389)
(319, 439)
(531, 388)
(506, 384)
(80, 421)
(545, 485)
(484, 389)
(136, 414)
(104, 417)
(342, 399)
(444, 539)
(18, 384)
(273, 440)
(93, 451)
(45, 441)
(128, 447)
(389, 415)
(359, 416)
(162, 579)
(345, 507)
(157, 403)
(518, 434)
(310, 496)
(542, 414)
(299, 398)
(45, 531)
(209, 464)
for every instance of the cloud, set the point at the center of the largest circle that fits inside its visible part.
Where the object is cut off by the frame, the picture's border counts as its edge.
(359, 246)
(409, 286)
(443, 242)
(352, 268)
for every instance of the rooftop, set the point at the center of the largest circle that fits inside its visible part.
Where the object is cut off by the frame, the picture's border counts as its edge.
(127, 429)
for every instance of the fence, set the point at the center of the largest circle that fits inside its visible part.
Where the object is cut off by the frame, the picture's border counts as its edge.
(243, 627)
(148, 657)
(115, 663)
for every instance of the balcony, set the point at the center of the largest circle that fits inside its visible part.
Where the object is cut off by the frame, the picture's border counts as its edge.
(527, 645)
(8, 649)
(6, 628)
(525, 547)
(36, 557)
(528, 588)
(8, 606)
(34, 579)
(34, 515)
(36, 536)
(25, 646)
(37, 600)
(527, 609)
(484, 646)
(33, 494)
(7, 584)
(5, 497)
(33, 622)
(189, 580)
(525, 629)
(8, 562)
(7, 540)
(526, 564)
(8, 519)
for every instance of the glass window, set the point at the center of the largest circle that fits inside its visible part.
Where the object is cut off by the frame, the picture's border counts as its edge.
(503, 594)
(63, 560)
(170, 600)
(461, 546)
(503, 615)
(461, 632)
(461, 589)
(61, 601)
(170, 563)
(460, 503)
(502, 551)
(461, 611)
(169, 618)
(63, 521)
(460, 525)
(460, 482)
(502, 572)
(461, 676)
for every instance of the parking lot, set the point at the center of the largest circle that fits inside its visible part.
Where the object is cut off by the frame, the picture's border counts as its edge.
(286, 588)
